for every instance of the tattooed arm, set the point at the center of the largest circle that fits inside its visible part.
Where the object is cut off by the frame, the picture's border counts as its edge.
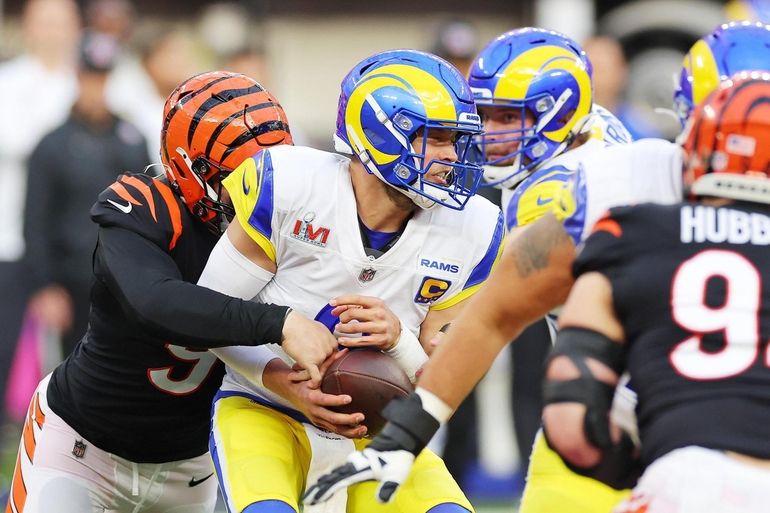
(533, 276)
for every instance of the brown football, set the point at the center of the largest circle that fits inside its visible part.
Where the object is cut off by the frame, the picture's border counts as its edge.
(371, 378)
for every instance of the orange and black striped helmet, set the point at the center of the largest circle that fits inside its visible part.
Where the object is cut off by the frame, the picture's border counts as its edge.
(727, 141)
(211, 123)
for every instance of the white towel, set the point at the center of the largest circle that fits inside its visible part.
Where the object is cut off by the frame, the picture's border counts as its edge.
(329, 451)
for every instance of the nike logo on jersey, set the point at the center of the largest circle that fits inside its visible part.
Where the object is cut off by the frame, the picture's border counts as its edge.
(246, 187)
(123, 208)
(541, 201)
(194, 482)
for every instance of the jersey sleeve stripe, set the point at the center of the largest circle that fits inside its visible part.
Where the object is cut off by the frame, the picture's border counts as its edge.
(121, 191)
(173, 210)
(609, 225)
(144, 189)
(251, 188)
(39, 415)
(484, 267)
(262, 214)
(457, 298)
(28, 435)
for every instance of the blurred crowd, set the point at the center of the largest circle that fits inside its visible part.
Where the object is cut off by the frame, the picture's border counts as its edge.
(82, 101)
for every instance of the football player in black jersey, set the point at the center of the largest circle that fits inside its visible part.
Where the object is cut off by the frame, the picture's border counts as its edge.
(677, 296)
(122, 424)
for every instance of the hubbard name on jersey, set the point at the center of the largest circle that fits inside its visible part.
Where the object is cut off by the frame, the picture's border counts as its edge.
(298, 204)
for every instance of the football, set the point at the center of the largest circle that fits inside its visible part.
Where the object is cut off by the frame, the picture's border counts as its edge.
(371, 378)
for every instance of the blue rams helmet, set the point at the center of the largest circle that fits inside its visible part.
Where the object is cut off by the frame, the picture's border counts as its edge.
(389, 99)
(714, 58)
(543, 73)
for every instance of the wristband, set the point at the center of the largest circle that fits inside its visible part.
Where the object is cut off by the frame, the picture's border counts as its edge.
(408, 353)
(432, 404)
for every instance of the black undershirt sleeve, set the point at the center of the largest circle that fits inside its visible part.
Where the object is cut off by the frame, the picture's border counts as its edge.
(149, 286)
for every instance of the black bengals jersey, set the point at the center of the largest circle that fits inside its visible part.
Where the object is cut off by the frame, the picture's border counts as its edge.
(140, 383)
(689, 286)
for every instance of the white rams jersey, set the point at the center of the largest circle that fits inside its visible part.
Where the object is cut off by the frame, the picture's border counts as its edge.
(604, 130)
(298, 204)
(579, 192)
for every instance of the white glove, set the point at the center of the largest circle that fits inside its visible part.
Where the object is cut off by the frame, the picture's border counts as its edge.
(390, 468)
(390, 456)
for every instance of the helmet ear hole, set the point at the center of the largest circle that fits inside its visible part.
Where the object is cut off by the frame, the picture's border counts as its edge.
(201, 167)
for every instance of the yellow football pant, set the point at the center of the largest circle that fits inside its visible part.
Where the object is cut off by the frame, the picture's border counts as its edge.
(553, 488)
(263, 454)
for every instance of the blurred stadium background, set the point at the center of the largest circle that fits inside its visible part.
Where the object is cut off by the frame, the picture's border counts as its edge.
(300, 49)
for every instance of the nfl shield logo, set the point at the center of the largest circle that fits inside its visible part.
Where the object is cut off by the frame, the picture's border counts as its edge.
(367, 275)
(79, 449)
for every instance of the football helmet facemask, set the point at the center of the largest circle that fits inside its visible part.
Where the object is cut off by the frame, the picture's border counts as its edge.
(390, 99)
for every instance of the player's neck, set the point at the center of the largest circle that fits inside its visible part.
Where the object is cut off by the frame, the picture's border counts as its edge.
(379, 208)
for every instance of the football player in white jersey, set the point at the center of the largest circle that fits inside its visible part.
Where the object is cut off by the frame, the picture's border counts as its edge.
(383, 247)
(562, 201)
(534, 93)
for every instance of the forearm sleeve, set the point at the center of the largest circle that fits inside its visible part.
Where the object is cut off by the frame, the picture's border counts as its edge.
(149, 286)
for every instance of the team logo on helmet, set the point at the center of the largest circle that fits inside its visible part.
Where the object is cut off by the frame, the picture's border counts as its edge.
(390, 99)
(546, 78)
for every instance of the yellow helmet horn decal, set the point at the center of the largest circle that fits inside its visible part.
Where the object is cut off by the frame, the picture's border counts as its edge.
(517, 77)
(700, 64)
(436, 99)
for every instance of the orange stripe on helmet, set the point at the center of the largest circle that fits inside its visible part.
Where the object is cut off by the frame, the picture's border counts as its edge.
(144, 189)
(123, 193)
(173, 209)
(729, 131)
(212, 122)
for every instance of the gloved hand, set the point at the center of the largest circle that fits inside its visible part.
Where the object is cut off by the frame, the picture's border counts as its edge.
(390, 456)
